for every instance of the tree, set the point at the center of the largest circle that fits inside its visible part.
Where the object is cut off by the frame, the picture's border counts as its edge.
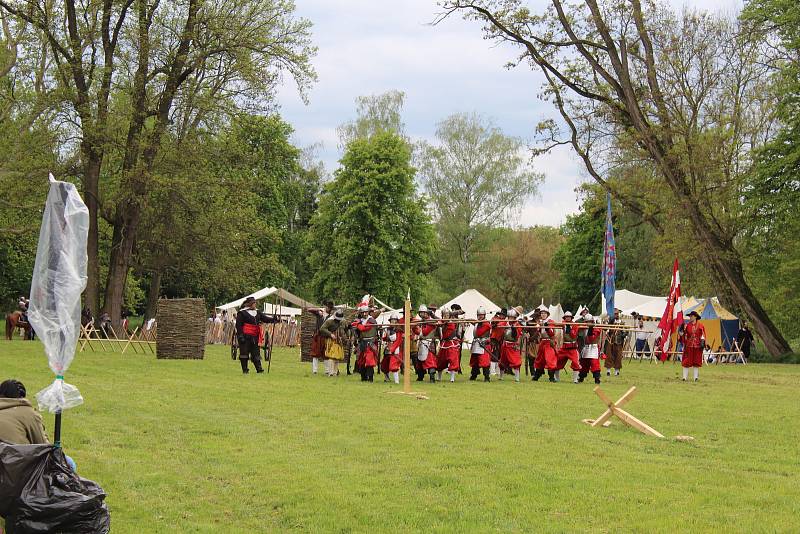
(681, 94)
(374, 114)
(476, 178)
(524, 273)
(579, 258)
(370, 233)
(178, 65)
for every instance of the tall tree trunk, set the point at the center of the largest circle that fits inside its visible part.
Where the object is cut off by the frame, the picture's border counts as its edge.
(119, 263)
(91, 178)
(153, 293)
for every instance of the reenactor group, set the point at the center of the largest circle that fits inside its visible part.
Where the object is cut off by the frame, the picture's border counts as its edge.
(500, 345)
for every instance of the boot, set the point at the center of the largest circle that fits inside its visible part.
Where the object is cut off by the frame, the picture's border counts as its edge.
(474, 374)
(551, 375)
(537, 374)
(596, 375)
(581, 376)
(432, 375)
(486, 377)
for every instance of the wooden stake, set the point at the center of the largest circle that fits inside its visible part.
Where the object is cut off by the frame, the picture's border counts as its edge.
(407, 352)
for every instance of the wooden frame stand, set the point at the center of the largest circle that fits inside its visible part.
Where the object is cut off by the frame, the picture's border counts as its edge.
(615, 409)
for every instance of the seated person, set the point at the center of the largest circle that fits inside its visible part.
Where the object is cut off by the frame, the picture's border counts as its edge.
(20, 424)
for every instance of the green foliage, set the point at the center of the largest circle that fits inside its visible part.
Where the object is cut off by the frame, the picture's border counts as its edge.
(580, 258)
(374, 114)
(476, 178)
(370, 233)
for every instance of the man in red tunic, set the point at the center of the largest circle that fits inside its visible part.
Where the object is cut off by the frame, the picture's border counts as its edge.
(569, 349)
(546, 353)
(590, 353)
(496, 341)
(693, 336)
(510, 358)
(367, 346)
(449, 354)
(426, 351)
(393, 339)
(480, 353)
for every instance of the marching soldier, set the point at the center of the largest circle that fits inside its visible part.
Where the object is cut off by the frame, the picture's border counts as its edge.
(569, 349)
(392, 357)
(615, 342)
(248, 332)
(546, 352)
(318, 342)
(367, 345)
(590, 354)
(449, 354)
(496, 341)
(332, 350)
(426, 350)
(480, 352)
(510, 358)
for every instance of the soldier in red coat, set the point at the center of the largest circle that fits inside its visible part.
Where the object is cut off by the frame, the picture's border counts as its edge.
(496, 341)
(392, 353)
(426, 350)
(590, 353)
(693, 336)
(546, 353)
(569, 349)
(367, 345)
(510, 357)
(480, 352)
(449, 354)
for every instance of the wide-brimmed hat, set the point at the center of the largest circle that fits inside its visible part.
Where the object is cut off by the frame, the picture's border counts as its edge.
(248, 300)
(693, 313)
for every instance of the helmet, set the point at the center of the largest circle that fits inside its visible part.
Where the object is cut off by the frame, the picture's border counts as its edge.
(481, 311)
(567, 314)
(423, 308)
(588, 317)
(512, 312)
(394, 317)
(363, 308)
(338, 314)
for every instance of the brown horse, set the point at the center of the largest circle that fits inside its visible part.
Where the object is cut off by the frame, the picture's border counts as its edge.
(14, 321)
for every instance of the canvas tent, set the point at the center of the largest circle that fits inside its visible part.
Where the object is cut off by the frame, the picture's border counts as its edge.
(469, 301)
(277, 295)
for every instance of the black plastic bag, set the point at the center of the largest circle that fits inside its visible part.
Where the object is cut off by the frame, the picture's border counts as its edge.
(39, 493)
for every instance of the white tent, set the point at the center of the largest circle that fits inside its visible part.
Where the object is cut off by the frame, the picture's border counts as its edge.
(261, 294)
(283, 311)
(470, 300)
(258, 295)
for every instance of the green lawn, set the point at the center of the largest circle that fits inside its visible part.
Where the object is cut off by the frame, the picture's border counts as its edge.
(195, 446)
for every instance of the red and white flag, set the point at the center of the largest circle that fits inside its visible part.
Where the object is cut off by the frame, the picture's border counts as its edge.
(673, 313)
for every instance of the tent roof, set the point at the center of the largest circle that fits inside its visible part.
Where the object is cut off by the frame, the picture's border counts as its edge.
(711, 309)
(470, 300)
(266, 292)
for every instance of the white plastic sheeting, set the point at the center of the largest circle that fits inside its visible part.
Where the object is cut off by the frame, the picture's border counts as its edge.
(59, 278)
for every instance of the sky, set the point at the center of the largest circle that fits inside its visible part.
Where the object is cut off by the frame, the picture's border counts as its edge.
(373, 46)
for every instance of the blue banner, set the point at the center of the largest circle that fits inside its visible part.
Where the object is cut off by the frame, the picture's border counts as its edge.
(609, 262)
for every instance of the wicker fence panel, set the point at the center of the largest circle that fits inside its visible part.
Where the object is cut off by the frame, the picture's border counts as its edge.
(181, 329)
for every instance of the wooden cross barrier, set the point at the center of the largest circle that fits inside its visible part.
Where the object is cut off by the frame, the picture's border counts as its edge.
(615, 409)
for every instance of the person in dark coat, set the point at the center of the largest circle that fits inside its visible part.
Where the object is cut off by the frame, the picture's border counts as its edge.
(247, 333)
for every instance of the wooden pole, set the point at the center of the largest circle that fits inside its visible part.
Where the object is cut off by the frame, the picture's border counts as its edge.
(407, 345)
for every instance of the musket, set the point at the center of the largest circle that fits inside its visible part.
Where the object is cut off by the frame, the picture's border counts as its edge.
(271, 338)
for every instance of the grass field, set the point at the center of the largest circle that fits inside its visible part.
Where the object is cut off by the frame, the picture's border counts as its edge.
(195, 446)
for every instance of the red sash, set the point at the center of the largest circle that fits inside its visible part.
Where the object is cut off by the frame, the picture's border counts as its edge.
(250, 329)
